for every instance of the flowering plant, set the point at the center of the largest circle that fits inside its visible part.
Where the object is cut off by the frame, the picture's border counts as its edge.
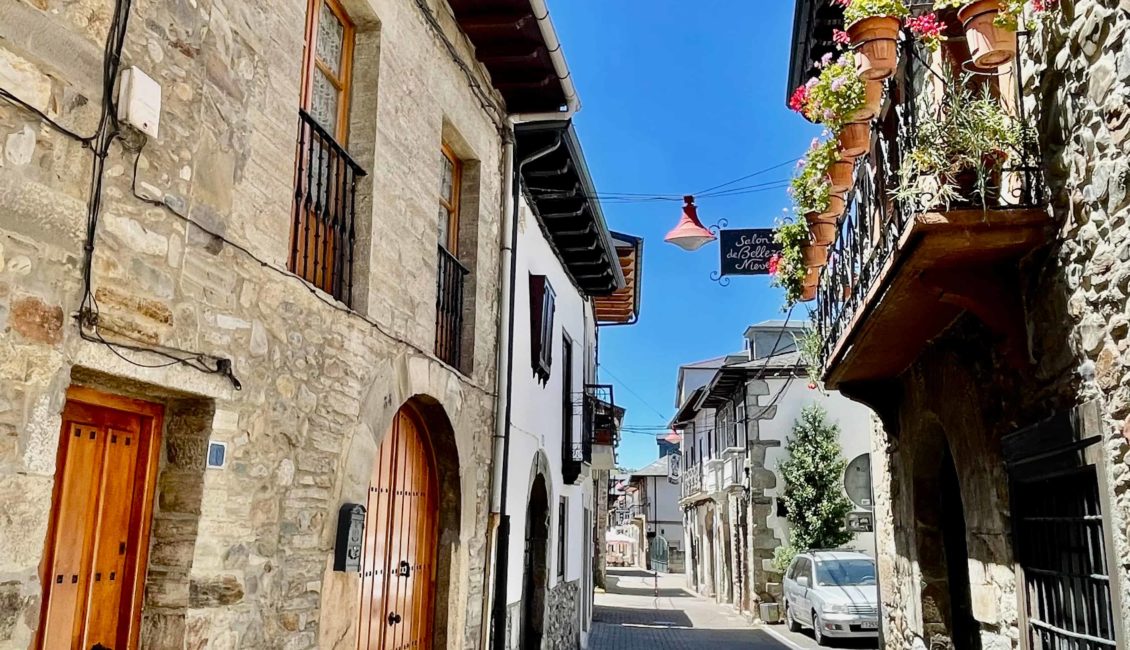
(960, 149)
(1009, 15)
(799, 99)
(837, 94)
(811, 188)
(790, 271)
(857, 10)
(928, 29)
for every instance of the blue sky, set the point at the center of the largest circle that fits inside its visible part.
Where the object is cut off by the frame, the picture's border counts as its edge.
(680, 96)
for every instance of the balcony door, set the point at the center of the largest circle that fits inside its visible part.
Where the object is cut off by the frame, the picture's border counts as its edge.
(398, 573)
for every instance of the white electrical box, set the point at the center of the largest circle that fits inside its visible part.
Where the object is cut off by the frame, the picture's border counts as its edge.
(139, 101)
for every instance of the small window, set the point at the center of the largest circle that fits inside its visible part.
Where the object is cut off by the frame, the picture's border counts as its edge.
(542, 305)
(452, 177)
(567, 407)
(562, 510)
(328, 66)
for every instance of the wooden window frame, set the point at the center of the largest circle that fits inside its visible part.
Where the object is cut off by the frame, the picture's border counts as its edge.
(452, 206)
(543, 303)
(567, 420)
(310, 62)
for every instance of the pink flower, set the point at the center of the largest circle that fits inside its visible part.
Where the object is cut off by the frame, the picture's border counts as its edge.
(841, 37)
(928, 29)
(838, 84)
(799, 99)
(774, 264)
(842, 3)
(1045, 5)
(825, 60)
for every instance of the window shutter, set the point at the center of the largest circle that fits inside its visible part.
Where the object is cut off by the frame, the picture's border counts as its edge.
(542, 304)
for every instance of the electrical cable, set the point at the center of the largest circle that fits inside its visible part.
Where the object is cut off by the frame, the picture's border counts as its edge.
(85, 140)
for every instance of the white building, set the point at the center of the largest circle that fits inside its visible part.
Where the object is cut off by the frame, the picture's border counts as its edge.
(571, 277)
(736, 413)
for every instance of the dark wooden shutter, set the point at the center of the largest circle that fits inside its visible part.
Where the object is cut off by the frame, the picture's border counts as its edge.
(542, 305)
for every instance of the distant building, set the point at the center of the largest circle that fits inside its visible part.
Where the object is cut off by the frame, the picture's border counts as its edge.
(735, 415)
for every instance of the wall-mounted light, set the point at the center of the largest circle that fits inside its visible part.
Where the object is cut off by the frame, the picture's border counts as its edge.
(689, 234)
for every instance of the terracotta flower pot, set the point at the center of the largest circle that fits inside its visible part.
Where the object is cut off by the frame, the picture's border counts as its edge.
(812, 278)
(822, 233)
(842, 176)
(808, 294)
(876, 54)
(836, 207)
(854, 140)
(815, 256)
(989, 45)
(873, 102)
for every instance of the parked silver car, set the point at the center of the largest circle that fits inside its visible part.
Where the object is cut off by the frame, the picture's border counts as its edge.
(833, 592)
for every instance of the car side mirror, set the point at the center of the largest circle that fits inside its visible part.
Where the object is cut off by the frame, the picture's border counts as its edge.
(803, 581)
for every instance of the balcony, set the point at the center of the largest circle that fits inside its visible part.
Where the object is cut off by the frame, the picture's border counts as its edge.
(733, 472)
(904, 266)
(602, 418)
(691, 484)
(450, 279)
(323, 229)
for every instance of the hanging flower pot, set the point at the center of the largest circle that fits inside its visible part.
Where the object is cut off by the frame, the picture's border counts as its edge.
(854, 140)
(836, 207)
(823, 233)
(989, 44)
(842, 176)
(808, 293)
(876, 54)
(873, 102)
(814, 255)
(812, 277)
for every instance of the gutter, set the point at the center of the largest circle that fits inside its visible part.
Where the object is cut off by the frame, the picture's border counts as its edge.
(560, 66)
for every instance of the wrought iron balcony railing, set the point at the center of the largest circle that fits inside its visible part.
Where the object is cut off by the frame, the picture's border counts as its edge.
(691, 481)
(600, 415)
(450, 279)
(325, 201)
(883, 228)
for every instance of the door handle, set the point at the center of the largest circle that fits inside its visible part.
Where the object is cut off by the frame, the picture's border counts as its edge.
(393, 618)
(405, 569)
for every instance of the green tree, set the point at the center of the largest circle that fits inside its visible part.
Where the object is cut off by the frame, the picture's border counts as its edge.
(815, 502)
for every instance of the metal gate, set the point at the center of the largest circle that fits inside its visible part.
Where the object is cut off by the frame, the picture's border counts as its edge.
(660, 554)
(1058, 532)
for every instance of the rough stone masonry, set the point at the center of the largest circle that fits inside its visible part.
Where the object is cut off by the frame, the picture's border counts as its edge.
(241, 556)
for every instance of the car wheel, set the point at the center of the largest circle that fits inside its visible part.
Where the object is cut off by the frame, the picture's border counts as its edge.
(818, 630)
(794, 626)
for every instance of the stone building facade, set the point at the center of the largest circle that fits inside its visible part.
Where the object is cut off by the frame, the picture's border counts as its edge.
(190, 257)
(1000, 460)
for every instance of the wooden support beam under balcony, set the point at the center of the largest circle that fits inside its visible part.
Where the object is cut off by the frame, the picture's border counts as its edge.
(943, 264)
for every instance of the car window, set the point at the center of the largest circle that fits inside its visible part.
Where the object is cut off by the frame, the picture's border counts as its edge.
(791, 573)
(845, 573)
(801, 568)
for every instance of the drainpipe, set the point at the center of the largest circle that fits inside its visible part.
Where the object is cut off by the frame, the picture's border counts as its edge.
(505, 384)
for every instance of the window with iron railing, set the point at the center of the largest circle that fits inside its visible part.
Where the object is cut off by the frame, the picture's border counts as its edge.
(451, 274)
(323, 229)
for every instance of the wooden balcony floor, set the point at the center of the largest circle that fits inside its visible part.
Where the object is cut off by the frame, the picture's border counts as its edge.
(944, 263)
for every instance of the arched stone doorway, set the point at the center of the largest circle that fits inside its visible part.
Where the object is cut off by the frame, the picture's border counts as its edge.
(535, 574)
(411, 529)
(943, 550)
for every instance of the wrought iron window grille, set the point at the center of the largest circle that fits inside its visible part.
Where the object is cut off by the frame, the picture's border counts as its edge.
(451, 278)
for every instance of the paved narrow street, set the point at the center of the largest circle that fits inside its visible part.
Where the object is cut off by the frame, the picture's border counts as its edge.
(630, 616)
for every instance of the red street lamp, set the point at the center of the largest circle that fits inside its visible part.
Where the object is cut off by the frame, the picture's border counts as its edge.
(689, 234)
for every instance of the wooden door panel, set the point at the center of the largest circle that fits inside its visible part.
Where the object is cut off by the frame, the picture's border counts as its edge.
(111, 540)
(93, 567)
(400, 533)
(66, 578)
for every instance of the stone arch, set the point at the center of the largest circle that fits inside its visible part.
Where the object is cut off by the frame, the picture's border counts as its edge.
(535, 575)
(426, 386)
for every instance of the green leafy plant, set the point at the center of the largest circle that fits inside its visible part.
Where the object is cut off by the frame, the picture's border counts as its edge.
(811, 188)
(960, 148)
(857, 10)
(811, 347)
(789, 270)
(814, 498)
(837, 95)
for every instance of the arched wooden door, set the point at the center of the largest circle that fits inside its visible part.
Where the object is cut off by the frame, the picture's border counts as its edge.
(398, 568)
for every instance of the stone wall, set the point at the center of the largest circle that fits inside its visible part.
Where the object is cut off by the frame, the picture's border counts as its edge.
(562, 617)
(1077, 83)
(241, 555)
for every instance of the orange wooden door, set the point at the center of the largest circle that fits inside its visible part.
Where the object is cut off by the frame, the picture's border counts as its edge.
(94, 559)
(398, 566)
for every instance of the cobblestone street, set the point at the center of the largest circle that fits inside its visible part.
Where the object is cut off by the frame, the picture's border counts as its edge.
(630, 617)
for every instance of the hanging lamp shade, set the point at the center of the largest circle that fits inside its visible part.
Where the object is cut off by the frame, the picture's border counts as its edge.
(689, 234)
